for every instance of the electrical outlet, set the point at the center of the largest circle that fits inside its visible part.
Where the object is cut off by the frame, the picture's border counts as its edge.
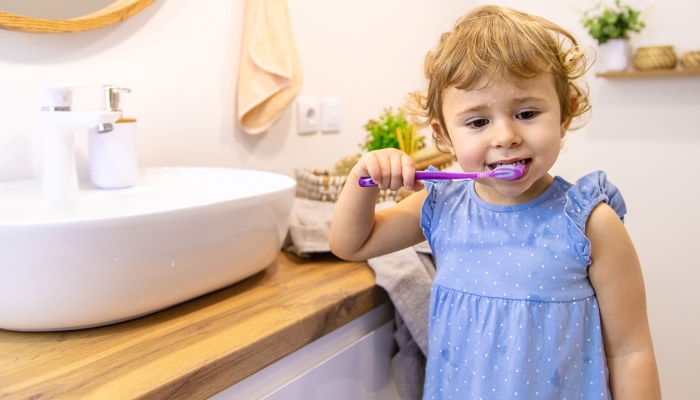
(308, 114)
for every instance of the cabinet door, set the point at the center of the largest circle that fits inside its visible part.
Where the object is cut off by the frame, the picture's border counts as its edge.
(360, 371)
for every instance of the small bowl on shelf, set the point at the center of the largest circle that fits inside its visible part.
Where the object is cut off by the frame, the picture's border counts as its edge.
(691, 59)
(654, 58)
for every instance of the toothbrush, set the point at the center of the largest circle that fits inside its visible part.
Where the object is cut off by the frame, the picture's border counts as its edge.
(504, 173)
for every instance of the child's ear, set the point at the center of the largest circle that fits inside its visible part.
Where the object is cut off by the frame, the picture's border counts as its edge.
(440, 133)
(566, 120)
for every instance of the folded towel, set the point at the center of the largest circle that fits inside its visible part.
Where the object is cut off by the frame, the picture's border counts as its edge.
(309, 227)
(406, 276)
(408, 364)
(269, 77)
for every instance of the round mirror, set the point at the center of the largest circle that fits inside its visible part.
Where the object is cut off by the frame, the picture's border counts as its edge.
(66, 15)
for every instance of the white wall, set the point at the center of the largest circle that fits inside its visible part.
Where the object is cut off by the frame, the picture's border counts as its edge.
(180, 58)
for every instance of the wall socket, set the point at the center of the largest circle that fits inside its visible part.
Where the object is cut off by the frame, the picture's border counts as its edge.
(308, 114)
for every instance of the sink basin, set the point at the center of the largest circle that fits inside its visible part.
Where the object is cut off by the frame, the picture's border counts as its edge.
(106, 256)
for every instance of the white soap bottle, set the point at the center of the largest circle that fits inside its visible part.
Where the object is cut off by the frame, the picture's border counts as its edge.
(112, 153)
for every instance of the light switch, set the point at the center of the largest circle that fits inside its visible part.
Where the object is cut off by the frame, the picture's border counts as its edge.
(330, 114)
(308, 114)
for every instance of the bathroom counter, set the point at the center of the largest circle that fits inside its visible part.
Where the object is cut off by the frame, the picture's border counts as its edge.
(198, 348)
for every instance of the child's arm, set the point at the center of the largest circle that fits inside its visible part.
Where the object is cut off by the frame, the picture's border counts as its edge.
(357, 233)
(616, 276)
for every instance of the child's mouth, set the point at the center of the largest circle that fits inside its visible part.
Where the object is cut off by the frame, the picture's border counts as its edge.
(524, 161)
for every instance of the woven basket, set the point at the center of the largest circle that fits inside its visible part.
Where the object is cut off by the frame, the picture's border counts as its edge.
(430, 155)
(691, 59)
(654, 57)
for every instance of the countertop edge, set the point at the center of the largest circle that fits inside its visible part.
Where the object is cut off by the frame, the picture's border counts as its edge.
(226, 371)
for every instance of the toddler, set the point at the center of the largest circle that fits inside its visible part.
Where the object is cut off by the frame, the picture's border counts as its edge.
(539, 292)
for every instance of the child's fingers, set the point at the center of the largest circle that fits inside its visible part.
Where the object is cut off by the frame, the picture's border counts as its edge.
(387, 168)
(373, 168)
(365, 164)
(408, 170)
(380, 168)
(383, 178)
(396, 181)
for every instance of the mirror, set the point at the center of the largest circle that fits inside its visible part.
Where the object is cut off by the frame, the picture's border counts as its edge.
(53, 9)
(47, 16)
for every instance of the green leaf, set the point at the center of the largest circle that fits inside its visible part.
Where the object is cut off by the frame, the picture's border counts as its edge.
(382, 133)
(612, 31)
(609, 23)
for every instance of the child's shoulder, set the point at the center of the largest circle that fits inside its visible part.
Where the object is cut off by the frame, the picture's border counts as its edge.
(587, 193)
(582, 198)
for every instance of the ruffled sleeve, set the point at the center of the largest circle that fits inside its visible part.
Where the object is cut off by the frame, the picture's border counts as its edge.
(581, 199)
(428, 209)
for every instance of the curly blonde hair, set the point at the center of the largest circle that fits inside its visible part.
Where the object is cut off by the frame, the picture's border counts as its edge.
(493, 41)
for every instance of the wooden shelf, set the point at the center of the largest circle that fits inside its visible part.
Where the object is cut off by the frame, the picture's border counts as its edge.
(662, 73)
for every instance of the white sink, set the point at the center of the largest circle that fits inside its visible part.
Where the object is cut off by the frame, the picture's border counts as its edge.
(110, 255)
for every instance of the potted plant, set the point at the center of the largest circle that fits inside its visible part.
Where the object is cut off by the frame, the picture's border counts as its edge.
(392, 131)
(611, 27)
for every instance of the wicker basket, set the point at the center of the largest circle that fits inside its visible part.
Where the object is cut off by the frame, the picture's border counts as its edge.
(654, 57)
(430, 155)
(691, 59)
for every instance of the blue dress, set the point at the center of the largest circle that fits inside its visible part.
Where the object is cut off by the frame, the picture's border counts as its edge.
(512, 312)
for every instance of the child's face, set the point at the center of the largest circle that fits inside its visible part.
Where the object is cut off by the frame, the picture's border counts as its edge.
(504, 123)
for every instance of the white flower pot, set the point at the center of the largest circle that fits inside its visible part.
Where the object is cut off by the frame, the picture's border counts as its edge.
(616, 54)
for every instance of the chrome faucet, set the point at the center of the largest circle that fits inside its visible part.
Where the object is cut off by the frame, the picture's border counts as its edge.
(58, 126)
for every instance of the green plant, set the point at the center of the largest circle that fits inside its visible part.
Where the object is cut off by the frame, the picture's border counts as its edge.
(392, 131)
(605, 23)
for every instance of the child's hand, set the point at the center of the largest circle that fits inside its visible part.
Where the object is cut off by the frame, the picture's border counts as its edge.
(389, 168)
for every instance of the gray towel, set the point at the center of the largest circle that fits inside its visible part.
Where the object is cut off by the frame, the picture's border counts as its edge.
(408, 364)
(309, 227)
(406, 275)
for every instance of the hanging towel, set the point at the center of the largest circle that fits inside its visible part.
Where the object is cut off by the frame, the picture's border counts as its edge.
(270, 72)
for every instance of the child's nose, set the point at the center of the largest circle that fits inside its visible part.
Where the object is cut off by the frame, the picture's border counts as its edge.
(504, 135)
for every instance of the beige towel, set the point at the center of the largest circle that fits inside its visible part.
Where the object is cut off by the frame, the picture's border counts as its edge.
(270, 73)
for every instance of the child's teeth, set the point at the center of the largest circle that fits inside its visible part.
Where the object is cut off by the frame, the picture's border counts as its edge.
(510, 164)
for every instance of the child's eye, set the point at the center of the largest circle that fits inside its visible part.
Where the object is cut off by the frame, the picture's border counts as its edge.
(477, 123)
(529, 114)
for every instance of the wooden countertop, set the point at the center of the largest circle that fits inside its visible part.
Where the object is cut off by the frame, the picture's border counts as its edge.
(198, 348)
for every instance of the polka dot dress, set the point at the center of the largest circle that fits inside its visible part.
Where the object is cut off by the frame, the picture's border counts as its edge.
(513, 314)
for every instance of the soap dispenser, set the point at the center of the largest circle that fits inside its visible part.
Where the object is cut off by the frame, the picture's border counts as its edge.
(113, 161)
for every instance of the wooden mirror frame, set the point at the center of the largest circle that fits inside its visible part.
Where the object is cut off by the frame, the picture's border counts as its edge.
(113, 13)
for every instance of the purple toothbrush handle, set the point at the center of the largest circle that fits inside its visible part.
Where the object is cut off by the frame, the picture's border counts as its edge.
(503, 173)
(421, 175)
(366, 181)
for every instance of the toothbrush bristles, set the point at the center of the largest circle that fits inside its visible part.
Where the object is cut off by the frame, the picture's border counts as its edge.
(509, 173)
